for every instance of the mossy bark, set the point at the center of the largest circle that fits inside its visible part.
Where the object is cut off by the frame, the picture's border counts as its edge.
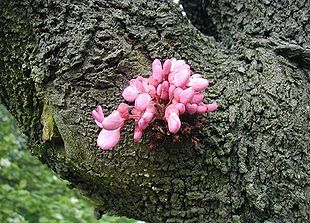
(251, 160)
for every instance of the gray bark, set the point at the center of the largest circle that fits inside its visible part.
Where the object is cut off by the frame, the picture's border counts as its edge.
(58, 60)
(229, 21)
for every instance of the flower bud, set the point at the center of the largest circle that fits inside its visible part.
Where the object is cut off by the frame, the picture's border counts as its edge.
(142, 101)
(174, 123)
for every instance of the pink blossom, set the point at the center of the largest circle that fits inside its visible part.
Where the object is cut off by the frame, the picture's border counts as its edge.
(169, 92)
(191, 108)
(113, 121)
(176, 93)
(197, 98)
(142, 123)
(180, 107)
(174, 123)
(171, 108)
(166, 68)
(137, 134)
(212, 107)
(186, 95)
(203, 108)
(130, 93)
(98, 115)
(123, 110)
(142, 101)
(165, 91)
(159, 89)
(176, 65)
(181, 77)
(108, 139)
(157, 70)
(198, 83)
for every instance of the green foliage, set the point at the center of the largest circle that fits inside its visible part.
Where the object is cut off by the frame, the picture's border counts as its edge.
(30, 192)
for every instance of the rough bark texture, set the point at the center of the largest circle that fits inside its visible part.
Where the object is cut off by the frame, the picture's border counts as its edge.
(230, 20)
(59, 59)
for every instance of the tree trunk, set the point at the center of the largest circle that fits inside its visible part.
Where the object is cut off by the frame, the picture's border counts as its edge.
(229, 21)
(251, 162)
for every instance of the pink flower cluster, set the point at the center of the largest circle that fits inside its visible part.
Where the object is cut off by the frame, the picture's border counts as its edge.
(170, 92)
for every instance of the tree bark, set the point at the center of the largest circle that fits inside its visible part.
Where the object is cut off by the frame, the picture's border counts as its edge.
(251, 162)
(230, 21)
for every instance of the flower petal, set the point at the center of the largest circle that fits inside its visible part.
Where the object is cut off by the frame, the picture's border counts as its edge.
(171, 108)
(187, 95)
(130, 93)
(197, 98)
(165, 91)
(203, 108)
(137, 134)
(199, 84)
(149, 113)
(191, 108)
(137, 85)
(142, 101)
(108, 139)
(181, 107)
(166, 68)
(98, 115)
(113, 121)
(212, 107)
(171, 91)
(176, 64)
(174, 123)
(157, 70)
(176, 93)
(123, 109)
(182, 76)
(158, 90)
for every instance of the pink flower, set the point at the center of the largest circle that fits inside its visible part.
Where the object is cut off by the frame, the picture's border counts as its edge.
(165, 91)
(203, 108)
(157, 70)
(137, 134)
(130, 93)
(186, 95)
(113, 121)
(176, 65)
(180, 107)
(191, 108)
(176, 93)
(174, 123)
(198, 83)
(172, 117)
(170, 92)
(123, 110)
(212, 107)
(98, 115)
(166, 68)
(142, 101)
(181, 77)
(197, 98)
(108, 139)
(136, 87)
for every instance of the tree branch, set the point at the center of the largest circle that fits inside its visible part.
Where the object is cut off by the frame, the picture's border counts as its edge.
(251, 162)
(229, 21)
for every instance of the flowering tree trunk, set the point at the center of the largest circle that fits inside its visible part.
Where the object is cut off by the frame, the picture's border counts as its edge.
(250, 161)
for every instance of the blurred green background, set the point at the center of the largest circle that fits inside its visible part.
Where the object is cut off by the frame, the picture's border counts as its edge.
(30, 192)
